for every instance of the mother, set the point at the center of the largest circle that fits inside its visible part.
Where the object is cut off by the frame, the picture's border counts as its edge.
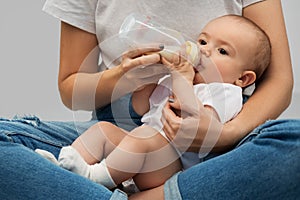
(265, 165)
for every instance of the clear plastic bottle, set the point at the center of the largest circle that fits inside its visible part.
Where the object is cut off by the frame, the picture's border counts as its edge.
(137, 30)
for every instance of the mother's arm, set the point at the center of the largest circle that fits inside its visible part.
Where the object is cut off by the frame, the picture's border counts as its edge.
(79, 68)
(277, 85)
(80, 83)
(277, 82)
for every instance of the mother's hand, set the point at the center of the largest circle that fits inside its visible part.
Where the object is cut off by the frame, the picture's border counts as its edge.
(195, 131)
(142, 66)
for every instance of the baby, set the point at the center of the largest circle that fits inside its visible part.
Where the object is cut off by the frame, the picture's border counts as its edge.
(234, 47)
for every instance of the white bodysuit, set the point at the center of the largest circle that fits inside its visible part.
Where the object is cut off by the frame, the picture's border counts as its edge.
(224, 98)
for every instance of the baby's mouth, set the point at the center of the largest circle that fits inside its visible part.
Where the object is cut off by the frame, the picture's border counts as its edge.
(199, 67)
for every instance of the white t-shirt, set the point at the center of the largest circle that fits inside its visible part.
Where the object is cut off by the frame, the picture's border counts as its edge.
(105, 17)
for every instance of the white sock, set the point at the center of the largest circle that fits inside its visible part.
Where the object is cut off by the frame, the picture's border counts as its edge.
(100, 174)
(70, 159)
(46, 154)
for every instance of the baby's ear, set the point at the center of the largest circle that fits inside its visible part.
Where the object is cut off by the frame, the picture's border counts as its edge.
(247, 78)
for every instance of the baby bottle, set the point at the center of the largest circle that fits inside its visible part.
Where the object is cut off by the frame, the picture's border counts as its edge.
(139, 29)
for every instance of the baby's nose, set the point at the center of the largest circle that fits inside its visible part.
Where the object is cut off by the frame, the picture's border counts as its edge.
(205, 51)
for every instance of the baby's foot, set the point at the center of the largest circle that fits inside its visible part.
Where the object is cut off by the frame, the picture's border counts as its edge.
(71, 160)
(46, 154)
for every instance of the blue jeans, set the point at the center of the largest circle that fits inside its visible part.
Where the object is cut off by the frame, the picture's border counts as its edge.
(26, 175)
(266, 165)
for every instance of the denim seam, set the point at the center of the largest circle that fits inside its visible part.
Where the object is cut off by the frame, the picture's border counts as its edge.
(171, 188)
(246, 139)
(6, 133)
(9, 134)
(27, 119)
(118, 195)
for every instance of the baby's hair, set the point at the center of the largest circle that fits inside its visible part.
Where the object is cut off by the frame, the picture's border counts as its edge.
(262, 56)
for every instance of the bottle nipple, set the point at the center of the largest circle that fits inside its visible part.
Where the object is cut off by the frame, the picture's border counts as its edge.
(192, 52)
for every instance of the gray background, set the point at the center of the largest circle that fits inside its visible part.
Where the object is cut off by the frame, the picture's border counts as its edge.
(29, 55)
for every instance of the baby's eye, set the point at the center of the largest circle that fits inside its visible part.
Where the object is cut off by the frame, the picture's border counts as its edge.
(202, 42)
(223, 51)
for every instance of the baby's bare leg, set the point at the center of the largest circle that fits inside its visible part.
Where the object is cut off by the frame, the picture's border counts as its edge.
(92, 146)
(144, 155)
(98, 141)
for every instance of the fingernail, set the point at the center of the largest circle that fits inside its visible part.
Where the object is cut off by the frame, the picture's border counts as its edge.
(171, 100)
(161, 46)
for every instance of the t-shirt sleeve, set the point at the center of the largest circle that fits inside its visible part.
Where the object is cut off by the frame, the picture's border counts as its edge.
(226, 99)
(249, 2)
(78, 13)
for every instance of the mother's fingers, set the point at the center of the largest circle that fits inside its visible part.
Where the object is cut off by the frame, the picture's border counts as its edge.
(171, 121)
(146, 59)
(168, 131)
(176, 58)
(140, 62)
(148, 71)
(141, 51)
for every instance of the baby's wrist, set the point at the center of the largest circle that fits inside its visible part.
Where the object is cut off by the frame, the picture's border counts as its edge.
(176, 76)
